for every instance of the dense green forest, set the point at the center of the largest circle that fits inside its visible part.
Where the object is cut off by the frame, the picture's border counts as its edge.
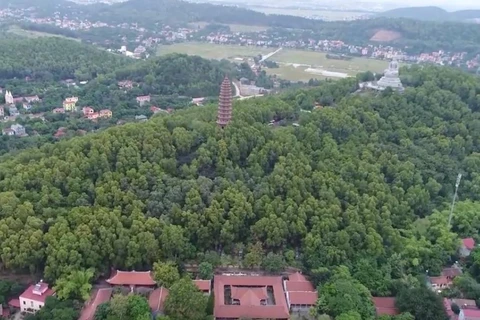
(48, 59)
(346, 187)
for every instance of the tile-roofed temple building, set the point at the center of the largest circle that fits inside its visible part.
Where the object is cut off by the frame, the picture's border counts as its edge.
(300, 293)
(132, 278)
(251, 297)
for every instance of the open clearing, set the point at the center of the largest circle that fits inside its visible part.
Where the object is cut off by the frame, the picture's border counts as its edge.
(295, 65)
(34, 34)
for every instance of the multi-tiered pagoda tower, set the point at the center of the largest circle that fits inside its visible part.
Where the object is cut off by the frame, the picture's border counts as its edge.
(224, 114)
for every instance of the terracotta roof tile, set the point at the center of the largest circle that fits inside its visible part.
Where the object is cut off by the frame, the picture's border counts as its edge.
(385, 306)
(303, 298)
(469, 243)
(297, 276)
(249, 286)
(299, 286)
(157, 298)
(132, 278)
(46, 292)
(203, 285)
(97, 298)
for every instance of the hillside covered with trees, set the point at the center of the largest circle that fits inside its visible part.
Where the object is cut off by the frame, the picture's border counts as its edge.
(347, 187)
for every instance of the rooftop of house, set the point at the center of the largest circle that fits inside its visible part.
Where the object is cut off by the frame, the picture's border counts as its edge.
(385, 306)
(157, 298)
(300, 291)
(441, 280)
(132, 278)
(471, 313)
(464, 303)
(252, 294)
(37, 292)
(451, 272)
(469, 243)
(98, 297)
(143, 97)
(203, 285)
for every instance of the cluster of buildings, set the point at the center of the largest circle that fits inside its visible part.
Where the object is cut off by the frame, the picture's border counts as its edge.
(468, 308)
(90, 113)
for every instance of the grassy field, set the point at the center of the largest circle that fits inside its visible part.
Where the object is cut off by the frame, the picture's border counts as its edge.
(233, 27)
(294, 64)
(34, 34)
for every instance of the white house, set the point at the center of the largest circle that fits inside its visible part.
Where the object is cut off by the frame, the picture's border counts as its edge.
(33, 299)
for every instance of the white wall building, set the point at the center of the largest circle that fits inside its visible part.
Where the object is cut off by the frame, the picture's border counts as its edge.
(33, 299)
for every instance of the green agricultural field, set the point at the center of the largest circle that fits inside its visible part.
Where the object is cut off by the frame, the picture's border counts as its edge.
(294, 64)
(34, 34)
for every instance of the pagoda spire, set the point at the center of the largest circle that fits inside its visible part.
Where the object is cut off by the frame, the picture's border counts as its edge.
(224, 114)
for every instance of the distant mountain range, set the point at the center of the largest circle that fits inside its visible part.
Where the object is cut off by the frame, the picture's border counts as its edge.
(431, 14)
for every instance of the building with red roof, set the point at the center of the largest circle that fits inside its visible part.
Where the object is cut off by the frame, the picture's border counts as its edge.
(440, 283)
(469, 314)
(203, 285)
(157, 298)
(33, 299)
(132, 278)
(468, 244)
(251, 297)
(385, 306)
(97, 298)
(300, 293)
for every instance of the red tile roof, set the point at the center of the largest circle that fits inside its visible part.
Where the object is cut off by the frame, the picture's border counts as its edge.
(157, 298)
(98, 297)
(442, 280)
(203, 285)
(297, 276)
(471, 313)
(469, 243)
(14, 303)
(45, 292)
(299, 286)
(385, 306)
(448, 307)
(250, 290)
(303, 298)
(451, 272)
(132, 278)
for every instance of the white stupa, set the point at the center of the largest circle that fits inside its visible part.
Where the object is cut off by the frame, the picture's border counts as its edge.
(390, 78)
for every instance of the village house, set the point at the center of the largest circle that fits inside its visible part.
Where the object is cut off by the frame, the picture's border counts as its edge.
(445, 280)
(8, 132)
(125, 84)
(70, 104)
(13, 111)
(141, 117)
(27, 106)
(18, 129)
(198, 101)
(155, 109)
(58, 110)
(105, 113)
(468, 244)
(33, 299)
(143, 100)
(88, 111)
(32, 99)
